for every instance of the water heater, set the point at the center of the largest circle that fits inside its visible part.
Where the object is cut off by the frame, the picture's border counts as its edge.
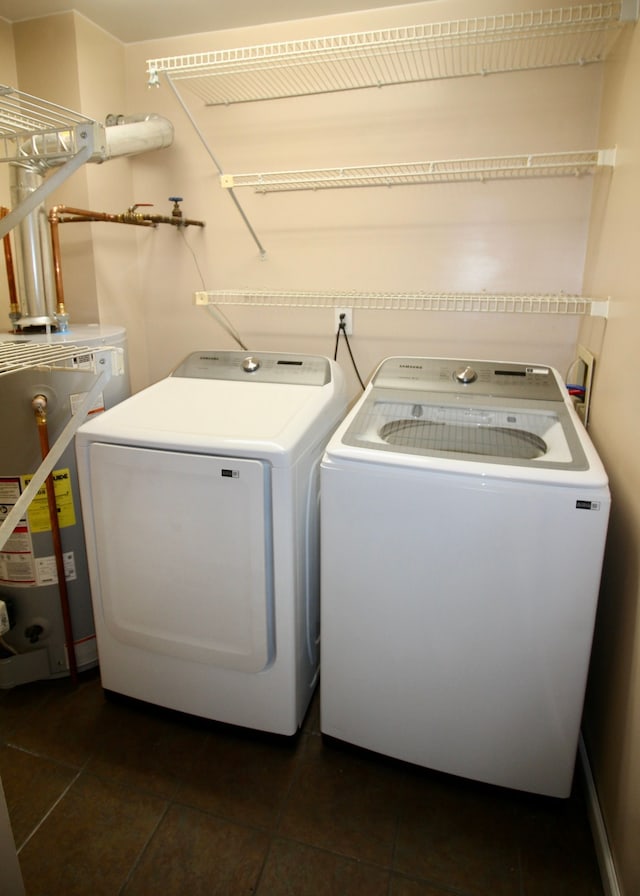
(35, 646)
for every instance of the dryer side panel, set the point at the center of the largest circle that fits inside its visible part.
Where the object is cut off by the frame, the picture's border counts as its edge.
(183, 547)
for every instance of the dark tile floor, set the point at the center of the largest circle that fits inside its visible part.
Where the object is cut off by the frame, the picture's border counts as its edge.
(111, 797)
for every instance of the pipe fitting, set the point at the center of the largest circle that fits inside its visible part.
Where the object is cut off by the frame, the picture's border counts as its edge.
(39, 407)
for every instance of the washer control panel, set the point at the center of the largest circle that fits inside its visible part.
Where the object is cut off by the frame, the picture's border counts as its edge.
(505, 380)
(263, 367)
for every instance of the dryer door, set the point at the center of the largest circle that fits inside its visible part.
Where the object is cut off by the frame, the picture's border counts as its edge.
(183, 554)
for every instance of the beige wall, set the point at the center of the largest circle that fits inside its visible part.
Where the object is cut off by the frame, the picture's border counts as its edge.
(612, 718)
(523, 237)
(529, 236)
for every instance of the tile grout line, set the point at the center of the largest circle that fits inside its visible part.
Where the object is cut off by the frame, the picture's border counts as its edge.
(136, 863)
(50, 810)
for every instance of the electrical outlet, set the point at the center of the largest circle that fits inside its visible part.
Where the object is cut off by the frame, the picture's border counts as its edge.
(348, 319)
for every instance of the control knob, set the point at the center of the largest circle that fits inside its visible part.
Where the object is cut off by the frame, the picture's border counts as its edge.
(250, 365)
(465, 375)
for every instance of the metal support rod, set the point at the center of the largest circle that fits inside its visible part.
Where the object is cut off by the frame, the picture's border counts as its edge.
(39, 405)
(19, 509)
(48, 186)
(201, 136)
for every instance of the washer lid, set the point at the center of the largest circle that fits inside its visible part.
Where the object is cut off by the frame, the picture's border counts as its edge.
(500, 433)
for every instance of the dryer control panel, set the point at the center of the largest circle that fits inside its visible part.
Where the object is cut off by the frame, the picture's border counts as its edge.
(263, 367)
(504, 380)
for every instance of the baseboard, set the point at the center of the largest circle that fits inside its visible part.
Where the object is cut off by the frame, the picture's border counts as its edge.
(601, 841)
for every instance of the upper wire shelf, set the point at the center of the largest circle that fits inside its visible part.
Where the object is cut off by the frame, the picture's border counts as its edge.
(556, 303)
(544, 38)
(34, 130)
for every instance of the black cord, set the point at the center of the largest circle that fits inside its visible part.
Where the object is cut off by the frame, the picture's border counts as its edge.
(342, 328)
(335, 350)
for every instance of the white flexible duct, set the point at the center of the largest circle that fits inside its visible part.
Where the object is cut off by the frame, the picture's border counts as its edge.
(136, 134)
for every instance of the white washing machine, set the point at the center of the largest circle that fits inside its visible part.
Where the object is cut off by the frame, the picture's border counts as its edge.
(200, 504)
(464, 516)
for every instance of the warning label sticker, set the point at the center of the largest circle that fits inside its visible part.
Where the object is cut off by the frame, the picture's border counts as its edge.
(38, 512)
(16, 558)
(77, 398)
(18, 565)
(47, 571)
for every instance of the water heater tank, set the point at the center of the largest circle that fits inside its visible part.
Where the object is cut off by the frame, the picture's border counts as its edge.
(34, 647)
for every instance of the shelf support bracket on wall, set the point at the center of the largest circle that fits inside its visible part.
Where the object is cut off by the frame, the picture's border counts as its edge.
(213, 158)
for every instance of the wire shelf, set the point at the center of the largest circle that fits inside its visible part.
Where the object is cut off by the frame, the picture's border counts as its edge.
(16, 356)
(422, 301)
(477, 46)
(34, 130)
(20, 356)
(560, 164)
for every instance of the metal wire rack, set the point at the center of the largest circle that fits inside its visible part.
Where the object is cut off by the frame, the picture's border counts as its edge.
(475, 46)
(19, 356)
(34, 130)
(44, 135)
(421, 301)
(559, 164)
(15, 356)
(569, 35)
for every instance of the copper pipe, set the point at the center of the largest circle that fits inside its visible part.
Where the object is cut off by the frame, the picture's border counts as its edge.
(39, 405)
(64, 214)
(57, 270)
(11, 277)
(59, 215)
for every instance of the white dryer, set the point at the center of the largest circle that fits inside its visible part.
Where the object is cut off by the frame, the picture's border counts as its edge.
(464, 516)
(200, 504)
